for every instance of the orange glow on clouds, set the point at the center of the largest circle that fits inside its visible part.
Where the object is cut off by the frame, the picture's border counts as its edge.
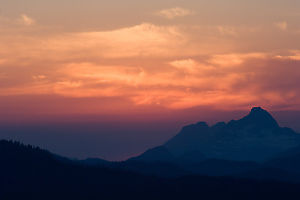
(173, 66)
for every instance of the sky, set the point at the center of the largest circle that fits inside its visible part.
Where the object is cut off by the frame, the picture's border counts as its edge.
(138, 62)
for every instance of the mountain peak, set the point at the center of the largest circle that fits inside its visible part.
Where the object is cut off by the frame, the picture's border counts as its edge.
(257, 109)
(260, 117)
(256, 137)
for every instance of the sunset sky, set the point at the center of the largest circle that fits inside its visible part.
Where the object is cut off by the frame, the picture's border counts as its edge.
(135, 59)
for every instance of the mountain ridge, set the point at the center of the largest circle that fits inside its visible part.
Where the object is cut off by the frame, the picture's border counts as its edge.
(31, 173)
(255, 137)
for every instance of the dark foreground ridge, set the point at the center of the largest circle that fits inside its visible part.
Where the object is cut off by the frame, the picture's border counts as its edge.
(31, 173)
(250, 158)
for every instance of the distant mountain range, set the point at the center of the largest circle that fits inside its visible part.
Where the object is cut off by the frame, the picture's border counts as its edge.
(250, 158)
(256, 137)
(253, 147)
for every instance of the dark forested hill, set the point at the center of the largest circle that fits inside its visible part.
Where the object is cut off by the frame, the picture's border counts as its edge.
(27, 172)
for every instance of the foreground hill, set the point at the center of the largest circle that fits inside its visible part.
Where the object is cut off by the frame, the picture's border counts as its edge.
(27, 172)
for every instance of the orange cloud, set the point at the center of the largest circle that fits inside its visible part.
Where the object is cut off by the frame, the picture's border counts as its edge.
(172, 66)
(175, 12)
(141, 40)
(231, 60)
(210, 81)
(26, 20)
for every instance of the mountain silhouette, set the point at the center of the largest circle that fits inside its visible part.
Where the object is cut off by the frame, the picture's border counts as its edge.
(27, 172)
(288, 160)
(242, 159)
(255, 137)
(258, 118)
(160, 153)
(253, 145)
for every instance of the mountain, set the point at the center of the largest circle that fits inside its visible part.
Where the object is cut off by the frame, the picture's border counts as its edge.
(252, 147)
(270, 173)
(202, 161)
(288, 160)
(160, 153)
(190, 157)
(28, 172)
(94, 162)
(214, 167)
(255, 137)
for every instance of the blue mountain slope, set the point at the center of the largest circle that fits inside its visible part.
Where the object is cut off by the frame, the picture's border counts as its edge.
(256, 137)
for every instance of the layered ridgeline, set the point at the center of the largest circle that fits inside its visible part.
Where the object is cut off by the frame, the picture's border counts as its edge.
(201, 161)
(28, 172)
(256, 137)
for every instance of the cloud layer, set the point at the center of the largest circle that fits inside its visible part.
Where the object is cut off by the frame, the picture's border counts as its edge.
(171, 66)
